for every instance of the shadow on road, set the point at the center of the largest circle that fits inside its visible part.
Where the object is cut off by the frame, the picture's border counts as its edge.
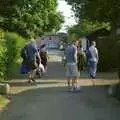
(55, 71)
(56, 103)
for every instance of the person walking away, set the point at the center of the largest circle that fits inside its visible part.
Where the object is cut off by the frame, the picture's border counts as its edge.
(71, 65)
(33, 54)
(92, 60)
(43, 55)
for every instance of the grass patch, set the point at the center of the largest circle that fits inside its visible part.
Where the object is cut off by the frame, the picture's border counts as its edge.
(3, 102)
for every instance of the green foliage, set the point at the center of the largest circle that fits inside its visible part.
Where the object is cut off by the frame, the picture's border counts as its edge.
(30, 17)
(54, 21)
(13, 44)
(101, 10)
(96, 14)
(2, 54)
(2, 60)
(106, 11)
(84, 27)
(3, 101)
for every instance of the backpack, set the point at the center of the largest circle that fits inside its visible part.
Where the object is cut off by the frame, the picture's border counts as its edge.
(24, 53)
(88, 54)
(31, 52)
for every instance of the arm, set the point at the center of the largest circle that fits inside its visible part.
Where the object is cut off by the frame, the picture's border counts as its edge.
(97, 56)
(75, 55)
(37, 53)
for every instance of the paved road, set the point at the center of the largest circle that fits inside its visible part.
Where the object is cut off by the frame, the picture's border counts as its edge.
(56, 103)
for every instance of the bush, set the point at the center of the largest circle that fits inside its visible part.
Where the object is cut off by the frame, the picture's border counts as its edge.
(12, 44)
(2, 60)
(2, 54)
(3, 101)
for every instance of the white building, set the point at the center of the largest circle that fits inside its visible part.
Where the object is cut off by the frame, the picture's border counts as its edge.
(52, 41)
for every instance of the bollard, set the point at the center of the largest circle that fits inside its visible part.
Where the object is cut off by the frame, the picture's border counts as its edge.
(4, 88)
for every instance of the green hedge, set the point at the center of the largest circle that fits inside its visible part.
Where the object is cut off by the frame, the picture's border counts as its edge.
(2, 60)
(10, 53)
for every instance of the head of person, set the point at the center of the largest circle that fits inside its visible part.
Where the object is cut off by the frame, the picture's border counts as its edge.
(33, 42)
(42, 46)
(77, 42)
(93, 43)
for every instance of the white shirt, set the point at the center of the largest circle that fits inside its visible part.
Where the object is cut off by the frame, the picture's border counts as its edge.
(44, 49)
(94, 53)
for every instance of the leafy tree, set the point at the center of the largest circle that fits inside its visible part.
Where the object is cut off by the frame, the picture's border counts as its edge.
(98, 10)
(30, 17)
(84, 27)
(55, 19)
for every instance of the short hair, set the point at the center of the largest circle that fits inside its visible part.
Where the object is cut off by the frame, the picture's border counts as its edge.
(93, 42)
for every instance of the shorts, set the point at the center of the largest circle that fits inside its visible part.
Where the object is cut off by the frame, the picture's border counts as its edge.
(32, 65)
(71, 70)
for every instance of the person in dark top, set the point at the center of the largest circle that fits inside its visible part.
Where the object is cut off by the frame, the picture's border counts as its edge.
(30, 57)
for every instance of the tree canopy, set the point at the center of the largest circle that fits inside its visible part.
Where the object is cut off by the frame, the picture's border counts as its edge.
(84, 27)
(30, 17)
(106, 11)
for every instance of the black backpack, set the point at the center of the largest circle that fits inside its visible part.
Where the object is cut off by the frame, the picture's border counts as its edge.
(88, 54)
(24, 53)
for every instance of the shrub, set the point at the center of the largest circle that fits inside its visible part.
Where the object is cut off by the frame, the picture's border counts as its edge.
(2, 60)
(13, 44)
(2, 54)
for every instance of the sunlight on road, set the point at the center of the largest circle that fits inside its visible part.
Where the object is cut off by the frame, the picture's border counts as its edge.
(57, 79)
(59, 83)
(55, 56)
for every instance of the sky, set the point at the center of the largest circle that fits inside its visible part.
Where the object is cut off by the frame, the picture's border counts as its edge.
(68, 14)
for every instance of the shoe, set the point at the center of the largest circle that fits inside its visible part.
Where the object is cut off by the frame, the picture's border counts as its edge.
(78, 88)
(73, 88)
(29, 81)
(33, 79)
(91, 76)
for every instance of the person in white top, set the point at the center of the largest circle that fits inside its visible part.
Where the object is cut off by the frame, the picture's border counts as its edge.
(43, 55)
(93, 60)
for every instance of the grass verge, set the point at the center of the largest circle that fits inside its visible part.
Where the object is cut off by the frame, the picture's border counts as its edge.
(3, 102)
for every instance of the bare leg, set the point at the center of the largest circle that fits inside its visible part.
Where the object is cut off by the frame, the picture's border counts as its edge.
(33, 73)
(29, 76)
(68, 81)
(74, 81)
